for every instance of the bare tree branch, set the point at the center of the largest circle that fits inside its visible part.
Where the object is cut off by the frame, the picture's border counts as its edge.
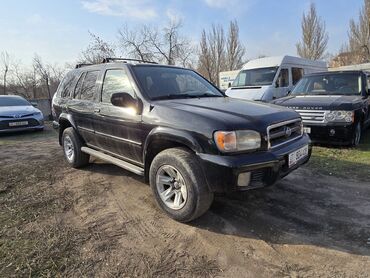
(5, 61)
(96, 51)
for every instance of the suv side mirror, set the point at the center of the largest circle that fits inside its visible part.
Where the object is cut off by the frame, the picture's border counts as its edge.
(124, 100)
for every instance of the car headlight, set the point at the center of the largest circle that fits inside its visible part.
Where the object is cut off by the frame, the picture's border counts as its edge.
(339, 116)
(235, 141)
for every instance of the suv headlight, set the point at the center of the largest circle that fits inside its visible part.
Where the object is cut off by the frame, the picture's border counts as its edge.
(339, 116)
(235, 141)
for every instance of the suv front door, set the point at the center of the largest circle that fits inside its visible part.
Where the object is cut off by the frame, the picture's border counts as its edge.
(118, 129)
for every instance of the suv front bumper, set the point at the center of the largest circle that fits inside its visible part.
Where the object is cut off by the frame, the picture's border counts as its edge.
(266, 167)
(336, 134)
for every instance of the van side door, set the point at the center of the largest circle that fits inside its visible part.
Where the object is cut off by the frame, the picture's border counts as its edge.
(118, 129)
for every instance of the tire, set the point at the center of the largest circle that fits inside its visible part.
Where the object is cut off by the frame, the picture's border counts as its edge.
(357, 133)
(190, 183)
(72, 144)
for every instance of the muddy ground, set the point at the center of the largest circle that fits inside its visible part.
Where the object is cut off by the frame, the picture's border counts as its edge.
(103, 221)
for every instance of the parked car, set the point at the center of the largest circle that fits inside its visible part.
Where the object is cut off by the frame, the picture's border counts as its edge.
(269, 78)
(17, 114)
(334, 106)
(172, 126)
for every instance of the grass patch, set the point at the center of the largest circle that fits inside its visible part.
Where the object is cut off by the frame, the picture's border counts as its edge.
(33, 242)
(351, 163)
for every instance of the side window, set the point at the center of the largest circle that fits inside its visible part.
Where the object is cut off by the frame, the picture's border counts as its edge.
(297, 74)
(115, 81)
(283, 79)
(88, 90)
(76, 93)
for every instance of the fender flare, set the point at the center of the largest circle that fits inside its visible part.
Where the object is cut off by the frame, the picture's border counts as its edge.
(174, 135)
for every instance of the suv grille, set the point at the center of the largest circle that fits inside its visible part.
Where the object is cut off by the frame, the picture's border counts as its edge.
(312, 116)
(284, 132)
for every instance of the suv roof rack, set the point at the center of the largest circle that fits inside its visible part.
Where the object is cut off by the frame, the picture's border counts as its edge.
(125, 60)
(82, 65)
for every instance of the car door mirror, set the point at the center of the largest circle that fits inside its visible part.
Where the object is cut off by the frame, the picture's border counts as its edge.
(34, 104)
(124, 100)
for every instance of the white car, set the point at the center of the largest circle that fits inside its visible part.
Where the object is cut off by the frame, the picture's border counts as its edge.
(17, 114)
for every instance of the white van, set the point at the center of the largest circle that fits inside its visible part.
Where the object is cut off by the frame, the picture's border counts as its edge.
(269, 78)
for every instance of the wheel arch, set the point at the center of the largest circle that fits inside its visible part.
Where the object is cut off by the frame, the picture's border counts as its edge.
(65, 121)
(160, 139)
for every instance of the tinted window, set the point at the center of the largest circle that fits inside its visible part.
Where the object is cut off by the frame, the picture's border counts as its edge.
(115, 81)
(169, 82)
(13, 101)
(255, 77)
(329, 84)
(66, 86)
(88, 89)
(78, 86)
(283, 79)
(297, 74)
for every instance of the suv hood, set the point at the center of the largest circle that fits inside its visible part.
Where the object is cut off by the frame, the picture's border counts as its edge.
(323, 102)
(17, 111)
(224, 113)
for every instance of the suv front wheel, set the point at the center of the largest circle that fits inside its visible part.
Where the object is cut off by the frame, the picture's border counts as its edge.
(72, 149)
(179, 185)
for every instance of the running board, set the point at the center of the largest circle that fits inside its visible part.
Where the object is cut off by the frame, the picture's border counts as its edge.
(120, 163)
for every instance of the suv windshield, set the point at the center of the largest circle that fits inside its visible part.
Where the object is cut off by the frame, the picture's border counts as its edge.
(255, 77)
(329, 84)
(13, 101)
(168, 83)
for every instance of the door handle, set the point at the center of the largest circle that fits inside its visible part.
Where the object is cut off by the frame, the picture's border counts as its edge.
(96, 110)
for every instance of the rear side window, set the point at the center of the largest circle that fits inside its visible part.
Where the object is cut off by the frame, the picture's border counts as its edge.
(297, 74)
(88, 89)
(77, 90)
(67, 85)
(115, 81)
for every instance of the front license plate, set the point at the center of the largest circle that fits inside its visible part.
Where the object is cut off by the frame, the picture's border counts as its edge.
(297, 155)
(18, 123)
(307, 130)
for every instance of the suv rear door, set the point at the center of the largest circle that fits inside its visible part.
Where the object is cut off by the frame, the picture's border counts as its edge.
(118, 130)
(83, 104)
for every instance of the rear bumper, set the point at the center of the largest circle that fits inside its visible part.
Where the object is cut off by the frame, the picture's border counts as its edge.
(336, 134)
(265, 167)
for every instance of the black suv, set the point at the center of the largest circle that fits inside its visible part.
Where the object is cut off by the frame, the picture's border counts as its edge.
(172, 126)
(334, 105)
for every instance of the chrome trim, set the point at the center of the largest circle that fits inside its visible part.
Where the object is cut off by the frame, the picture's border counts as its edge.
(278, 125)
(118, 138)
(86, 129)
(312, 113)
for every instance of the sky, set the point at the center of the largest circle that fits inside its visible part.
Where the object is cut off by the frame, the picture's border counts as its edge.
(59, 30)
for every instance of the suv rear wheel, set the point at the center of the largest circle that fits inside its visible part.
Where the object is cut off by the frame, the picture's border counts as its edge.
(72, 149)
(179, 185)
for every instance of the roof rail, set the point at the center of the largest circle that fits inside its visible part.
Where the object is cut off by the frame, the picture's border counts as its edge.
(125, 60)
(82, 65)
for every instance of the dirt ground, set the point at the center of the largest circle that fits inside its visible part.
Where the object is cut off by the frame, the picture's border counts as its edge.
(103, 221)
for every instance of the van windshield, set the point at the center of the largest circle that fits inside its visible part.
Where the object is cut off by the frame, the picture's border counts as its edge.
(329, 84)
(255, 77)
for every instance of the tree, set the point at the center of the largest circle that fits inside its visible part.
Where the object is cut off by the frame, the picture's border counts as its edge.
(165, 45)
(359, 35)
(219, 52)
(314, 36)
(235, 51)
(5, 61)
(96, 51)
